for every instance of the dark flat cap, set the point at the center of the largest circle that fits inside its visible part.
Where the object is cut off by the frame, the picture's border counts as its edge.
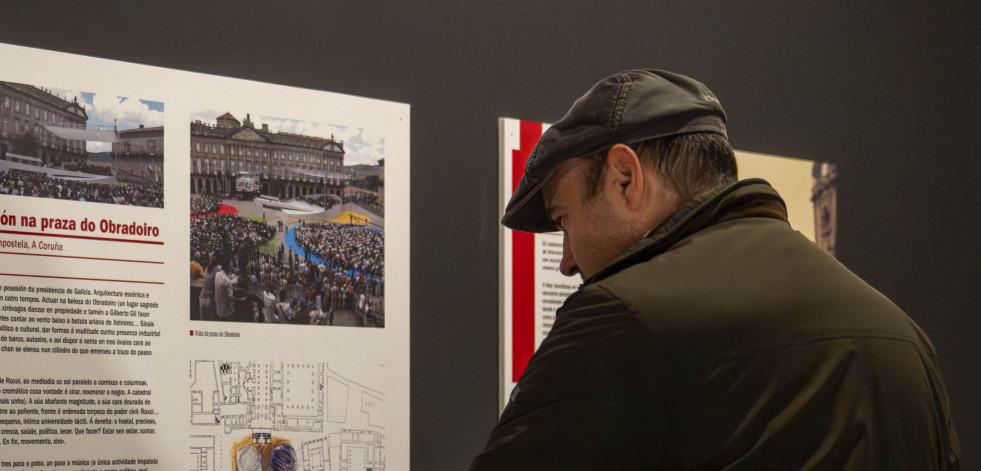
(626, 108)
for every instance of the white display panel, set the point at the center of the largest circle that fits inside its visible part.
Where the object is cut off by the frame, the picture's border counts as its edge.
(106, 363)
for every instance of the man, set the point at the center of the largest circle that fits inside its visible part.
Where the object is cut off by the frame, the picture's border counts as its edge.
(284, 309)
(225, 290)
(707, 334)
(206, 303)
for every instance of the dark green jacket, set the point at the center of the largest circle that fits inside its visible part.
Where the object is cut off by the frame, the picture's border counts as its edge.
(727, 340)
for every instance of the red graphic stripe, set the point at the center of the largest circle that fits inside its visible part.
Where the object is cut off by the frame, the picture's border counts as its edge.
(66, 236)
(83, 279)
(82, 258)
(522, 264)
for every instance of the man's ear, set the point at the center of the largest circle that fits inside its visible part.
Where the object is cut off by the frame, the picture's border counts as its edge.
(624, 176)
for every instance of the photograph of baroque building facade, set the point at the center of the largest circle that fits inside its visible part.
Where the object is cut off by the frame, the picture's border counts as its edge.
(138, 154)
(298, 236)
(80, 149)
(24, 112)
(283, 165)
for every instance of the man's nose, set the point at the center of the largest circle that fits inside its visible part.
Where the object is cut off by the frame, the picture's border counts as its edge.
(568, 266)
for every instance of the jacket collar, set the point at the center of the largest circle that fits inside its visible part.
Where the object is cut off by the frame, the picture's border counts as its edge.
(748, 198)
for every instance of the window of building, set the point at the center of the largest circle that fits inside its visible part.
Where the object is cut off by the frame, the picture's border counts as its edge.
(214, 148)
(152, 145)
(221, 149)
(17, 105)
(6, 102)
(37, 113)
(197, 147)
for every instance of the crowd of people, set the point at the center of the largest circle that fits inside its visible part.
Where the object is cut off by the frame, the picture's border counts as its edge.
(315, 293)
(366, 200)
(40, 185)
(342, 269)
(204, 204)
(361, 197)
(85, 167)
(323, 202)
(343, 247)
(227, 235)
(338, 279)
(224, 251)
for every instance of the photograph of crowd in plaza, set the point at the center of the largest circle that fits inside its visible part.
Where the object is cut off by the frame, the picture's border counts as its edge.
(80, 146)
(287, 222)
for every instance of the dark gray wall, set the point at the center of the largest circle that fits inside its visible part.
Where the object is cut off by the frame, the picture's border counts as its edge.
(888, 91)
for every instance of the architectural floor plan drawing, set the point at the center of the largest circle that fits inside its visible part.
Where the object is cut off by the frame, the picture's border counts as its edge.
(258, 396)
(279, 415)
(202, 453)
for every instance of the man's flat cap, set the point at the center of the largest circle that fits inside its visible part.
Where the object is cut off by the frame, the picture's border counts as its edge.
(626, 108)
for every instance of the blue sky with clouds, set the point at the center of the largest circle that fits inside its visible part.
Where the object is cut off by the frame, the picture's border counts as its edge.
(361, 146)
(105, 109)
